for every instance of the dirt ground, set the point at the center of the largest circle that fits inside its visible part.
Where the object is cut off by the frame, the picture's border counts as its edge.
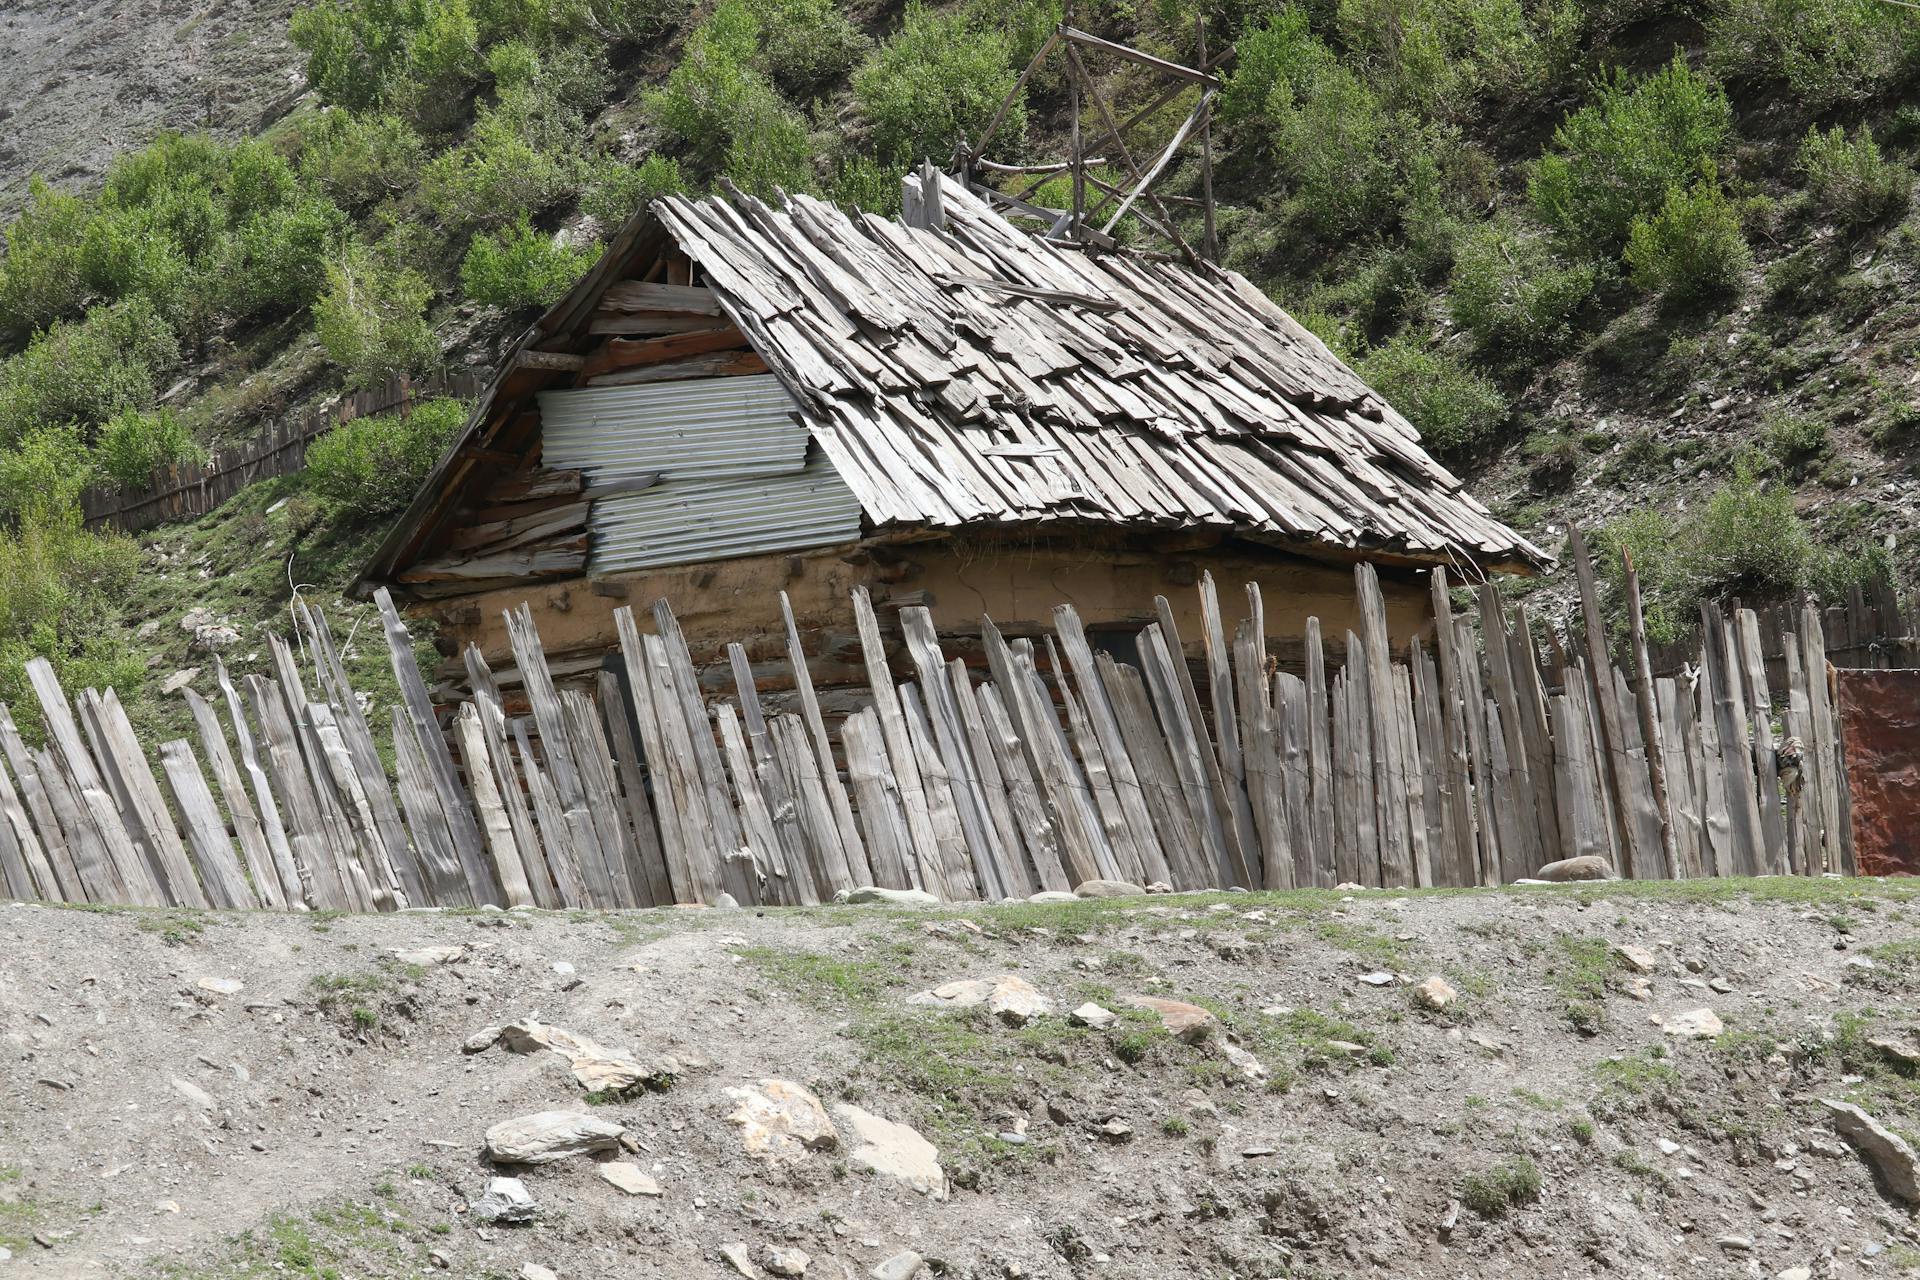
(321, 1119)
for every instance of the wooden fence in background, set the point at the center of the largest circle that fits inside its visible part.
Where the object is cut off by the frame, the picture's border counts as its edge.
(182, 490)
(1469, 758)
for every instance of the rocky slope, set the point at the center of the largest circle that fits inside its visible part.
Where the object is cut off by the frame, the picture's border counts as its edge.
(222, 1095)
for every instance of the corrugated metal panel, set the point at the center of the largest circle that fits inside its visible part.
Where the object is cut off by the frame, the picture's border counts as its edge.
(739, 476)
(715, 519)
(702, 428)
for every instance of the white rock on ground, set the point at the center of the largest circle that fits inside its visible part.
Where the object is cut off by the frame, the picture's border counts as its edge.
(1054, 896)
(534, 1271)
(595, 1067)
(1694, 1024)
(901, 1266)
(781, 1121)
(193, 1093)
(222, 986)
(868, 894)
(1635, 957)
(786, 1262)
(1885, 1150)
(1008, 997)
(735, 1255)
(630, 1178)
(425, 956)
(1435, 993)
(506, 1200)
(893, 1149)
(1093, 1015)
(1183, 1021)
(547, 1136)
(1108, 889)
(1588, 867)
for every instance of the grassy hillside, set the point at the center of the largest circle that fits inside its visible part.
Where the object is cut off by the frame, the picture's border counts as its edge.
(1646, 265)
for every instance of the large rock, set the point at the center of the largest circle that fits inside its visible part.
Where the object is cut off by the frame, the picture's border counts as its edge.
(1435, 993)
(1184, 1021)
(782, 1261)
(1635, 957)
(506, 1200)
(1694, 1024)
(595, 1067)
(1008, 997)
(1053, 897)
(629, 1178)
(1092, 1015)
(781, 1122)
(1108, 889)
(1885, 1150)
(1566, 870)
(904, 1265)
(547, 1136)
(872, 894)
(893, 1149)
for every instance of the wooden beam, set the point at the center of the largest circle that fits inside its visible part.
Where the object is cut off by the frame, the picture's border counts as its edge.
(638, 295)
(1131, 54)
(621, 354)
(557, 361)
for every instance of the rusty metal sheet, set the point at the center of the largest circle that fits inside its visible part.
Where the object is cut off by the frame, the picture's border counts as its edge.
(1880, 726)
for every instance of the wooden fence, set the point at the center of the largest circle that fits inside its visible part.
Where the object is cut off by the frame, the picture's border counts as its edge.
(1470, 758)
(182, 490)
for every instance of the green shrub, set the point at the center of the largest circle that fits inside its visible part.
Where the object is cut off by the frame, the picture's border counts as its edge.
(1849, 180)
(1825, 52)
(371, 467)
(1436, 56)
(1513, 293)
(638, 20)
(1692, 249)
(1512, 1182)
(372, 319)
(41, 279)
(85, 372)
(726, 113)
(420, 57)
(1615, 160)
(1797, 440)
(615, 191)
(940, 78)
(868, 185)
(277, 260)
(359, 160)
(133, 445)
(1456, 410)
(516, 162)
(519, 267)
(806, 44)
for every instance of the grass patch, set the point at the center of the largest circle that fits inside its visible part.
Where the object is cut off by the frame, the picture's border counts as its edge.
(1625, 1081)
(1509, 1184)
(824, 981)
(1579, 969)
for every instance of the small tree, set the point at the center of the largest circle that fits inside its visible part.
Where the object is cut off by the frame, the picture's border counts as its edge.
(372, 319)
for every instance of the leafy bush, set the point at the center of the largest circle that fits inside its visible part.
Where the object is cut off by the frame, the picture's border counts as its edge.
(1512, 1182)
(1848, 178)
(277, 260)
(1456, 410)
(361, 159)
(519, 266)
(371, 467)
(638, 20)
(806, 44)
(85, 372)
(60, 586)
(1615, 160)
(1513, 293)
(1797, 440)
(615, 191)
(41, 278)
(723, 109)
(1826, 52)
(372, 319)
(941, 77)
(1435, 56)
(420, 57)
(867, 185)
(516, 162)
(133, 445)
(1692, 249)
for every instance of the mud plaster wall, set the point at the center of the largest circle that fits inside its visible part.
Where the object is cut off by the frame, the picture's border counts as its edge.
(738, 600)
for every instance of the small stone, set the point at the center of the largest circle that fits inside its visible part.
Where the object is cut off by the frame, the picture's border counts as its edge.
(1719, 986)
(1736, 1244)
(193, 1093)
(1259, 1152)
(1092, 1015)
(1378, 978)
(1567, 870)
(563, 968)
(1115, 1130)
(506, 1200)
(439, 1259)
(726, 902)
(781, 1121)
(871, 894)
(1348, 1047)
(1184, 1021)
(1635, 957)
(1694, 1024)
(481, 1040)
(1243, 1061)
(1669, 1147)
(630, 1178)
(547, 1136)
(1053, 896)
(1107, 889)
(1159, 886)
(1640, 989)
(896, 1150)
(1794, 1273)
(901, 1266)
(179, 680)
(1885, 1150)
(222, 986)
(534, 1271)
(786, 1262)
(1435, 993)
(427, 957)
(735, 1255)
(1008, 997)
(1895, 1051)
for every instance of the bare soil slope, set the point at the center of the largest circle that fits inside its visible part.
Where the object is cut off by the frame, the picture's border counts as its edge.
(320, 1119)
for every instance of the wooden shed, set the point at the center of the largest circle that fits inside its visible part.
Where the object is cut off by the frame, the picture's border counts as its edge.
(741, 400)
